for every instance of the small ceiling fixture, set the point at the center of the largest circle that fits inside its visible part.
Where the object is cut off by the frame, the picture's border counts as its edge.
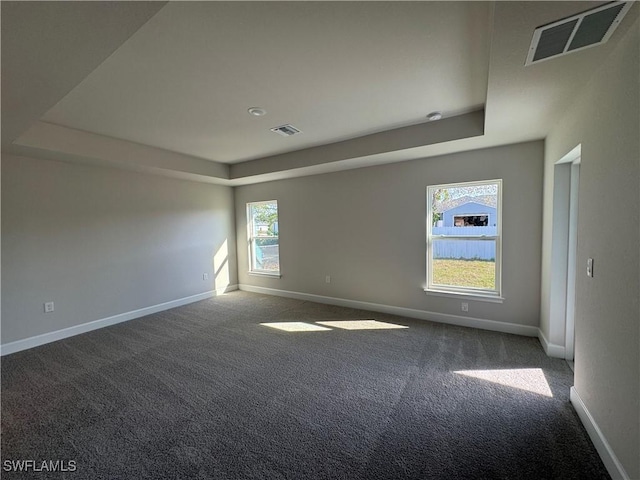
(434, 116)
(286, 130)
(257, 111)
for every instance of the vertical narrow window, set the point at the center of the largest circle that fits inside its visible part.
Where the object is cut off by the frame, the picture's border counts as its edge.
(464, 241)
(264, 247)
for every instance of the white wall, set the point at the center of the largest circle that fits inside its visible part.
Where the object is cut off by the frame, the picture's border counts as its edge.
(101, 242)
(366, 229)
(605, 120)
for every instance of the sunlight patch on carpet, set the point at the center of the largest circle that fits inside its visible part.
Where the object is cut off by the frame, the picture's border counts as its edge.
(295, 326)
(361, 324)
(529, 379)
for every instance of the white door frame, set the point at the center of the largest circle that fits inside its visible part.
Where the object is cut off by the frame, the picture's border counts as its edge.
(563, 253)
(572, 267)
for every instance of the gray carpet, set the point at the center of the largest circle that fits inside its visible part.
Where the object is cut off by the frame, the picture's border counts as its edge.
(205, 391)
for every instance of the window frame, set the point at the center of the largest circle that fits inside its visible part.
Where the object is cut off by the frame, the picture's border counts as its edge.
(251, 237)
(494, 295)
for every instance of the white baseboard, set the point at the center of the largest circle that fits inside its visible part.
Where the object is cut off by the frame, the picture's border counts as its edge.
(551, 349)
(49, 337)
(614, 467)
(458, 320)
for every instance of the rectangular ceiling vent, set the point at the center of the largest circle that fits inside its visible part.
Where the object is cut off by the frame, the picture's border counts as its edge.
(286, 130)
(584, 30)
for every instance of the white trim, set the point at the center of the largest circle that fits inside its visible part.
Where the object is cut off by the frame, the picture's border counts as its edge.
(614, 467)
(572, 156)
(264, 274)
(465, 296)
(497, 238)
(24, 344)
(251, 236)
(551, 349)
(558, 287)
(480, 323)
(572, 268)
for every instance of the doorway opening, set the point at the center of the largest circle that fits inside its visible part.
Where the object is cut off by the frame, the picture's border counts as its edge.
(572, 266)
(564, 252)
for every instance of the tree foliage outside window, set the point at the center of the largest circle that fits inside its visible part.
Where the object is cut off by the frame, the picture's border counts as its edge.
(266, 214)
(439, 196)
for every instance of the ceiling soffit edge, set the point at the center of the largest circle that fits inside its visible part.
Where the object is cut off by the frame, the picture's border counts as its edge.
(429, 133)
(80, 144)
(87, 147)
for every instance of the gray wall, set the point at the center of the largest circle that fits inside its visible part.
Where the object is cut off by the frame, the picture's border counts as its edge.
(366, 229)
(100, 242)
(605, 121)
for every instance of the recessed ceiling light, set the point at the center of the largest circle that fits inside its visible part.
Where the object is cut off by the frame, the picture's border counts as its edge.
(434, 116)
(257, 111)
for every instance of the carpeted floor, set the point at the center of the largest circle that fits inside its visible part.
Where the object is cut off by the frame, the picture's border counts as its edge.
(206, 391)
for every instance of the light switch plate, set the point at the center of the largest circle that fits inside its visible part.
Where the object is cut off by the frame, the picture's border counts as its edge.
(589, 267)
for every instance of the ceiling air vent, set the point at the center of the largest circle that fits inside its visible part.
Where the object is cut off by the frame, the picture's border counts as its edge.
(286, 130)
(578, 32)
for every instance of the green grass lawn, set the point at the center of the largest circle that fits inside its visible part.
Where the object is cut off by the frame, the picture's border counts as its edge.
(465, 273)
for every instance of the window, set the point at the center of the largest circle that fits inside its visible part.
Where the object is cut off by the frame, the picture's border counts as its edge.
(264, 249)
(464, 238)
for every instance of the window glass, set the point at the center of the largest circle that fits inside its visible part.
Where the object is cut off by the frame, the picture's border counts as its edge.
(463, 238)
(264, 245)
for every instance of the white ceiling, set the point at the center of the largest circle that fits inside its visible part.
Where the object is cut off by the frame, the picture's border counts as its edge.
(185, 80)
(49, 47)
(182, 82)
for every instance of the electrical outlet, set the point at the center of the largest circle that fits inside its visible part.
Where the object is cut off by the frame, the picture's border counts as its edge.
(465, 307)
(205, 276)
(327, 279)
(48, 307)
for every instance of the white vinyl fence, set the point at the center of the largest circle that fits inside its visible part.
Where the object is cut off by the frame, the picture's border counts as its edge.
(464, 249)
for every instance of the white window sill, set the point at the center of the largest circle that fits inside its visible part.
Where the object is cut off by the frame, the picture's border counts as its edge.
(265, 274)
(465, 296)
